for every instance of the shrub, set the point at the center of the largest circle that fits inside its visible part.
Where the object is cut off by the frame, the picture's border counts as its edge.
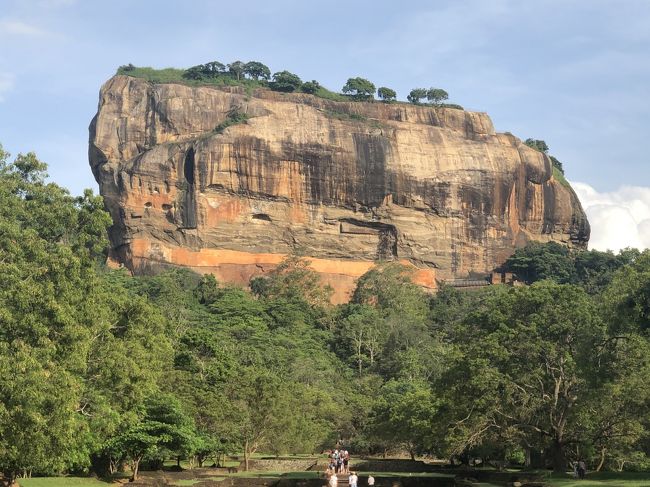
(235, 116)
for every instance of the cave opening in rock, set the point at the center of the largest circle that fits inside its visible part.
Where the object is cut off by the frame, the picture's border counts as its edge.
(262, 216)
(188, 167)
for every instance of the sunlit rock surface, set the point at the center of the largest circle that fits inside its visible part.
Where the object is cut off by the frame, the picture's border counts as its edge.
(344, 184)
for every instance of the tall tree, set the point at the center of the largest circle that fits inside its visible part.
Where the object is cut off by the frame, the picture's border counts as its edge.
(236, 69)
(285, 81)
(359, 88)
(257, 70)
(537, 358)
(417, 95)
(437, 96)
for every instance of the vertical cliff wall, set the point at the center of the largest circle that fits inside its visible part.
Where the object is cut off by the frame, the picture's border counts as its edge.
(344, 184)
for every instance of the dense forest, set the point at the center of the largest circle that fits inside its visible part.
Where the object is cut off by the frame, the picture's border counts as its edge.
(99, 369)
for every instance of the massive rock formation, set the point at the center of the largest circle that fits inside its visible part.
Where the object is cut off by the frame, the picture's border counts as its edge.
(343, 183)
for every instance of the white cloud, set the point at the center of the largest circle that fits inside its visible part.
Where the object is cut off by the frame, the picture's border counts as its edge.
(618, 218)
(6, 84)
(19, 28)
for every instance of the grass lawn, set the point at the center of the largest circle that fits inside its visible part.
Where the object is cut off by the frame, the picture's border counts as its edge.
(603, 479)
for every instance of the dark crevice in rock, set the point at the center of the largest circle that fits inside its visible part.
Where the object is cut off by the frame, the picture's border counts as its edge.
(188, 208)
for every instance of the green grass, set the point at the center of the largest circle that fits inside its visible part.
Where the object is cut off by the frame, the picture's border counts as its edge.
(175, 75)
(323, 92)
(602, 479)
(61, 482)
(557, 174)
(345, 116)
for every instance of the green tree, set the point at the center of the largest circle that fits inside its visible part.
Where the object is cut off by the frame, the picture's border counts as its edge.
(236, 69)
(538, 145)
(362, 334)
(404, 415)
(285, 81)
(437, 96)
(537, 261)
(310, 87)
(534, 362)
(256, 70)
(386, 94)
(213, 69)
(207, 290)
(359, 88)
(163, 429)
(417, 95)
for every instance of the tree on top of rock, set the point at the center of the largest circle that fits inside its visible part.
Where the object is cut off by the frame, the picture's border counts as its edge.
(359, 88)
(386, 94)
(236, 69)
(257, 70)
(285, 81)
(437, 96)
(417, 95)
(537, 144)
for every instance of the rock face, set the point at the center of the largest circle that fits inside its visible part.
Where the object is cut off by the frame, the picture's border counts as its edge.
(342, 183)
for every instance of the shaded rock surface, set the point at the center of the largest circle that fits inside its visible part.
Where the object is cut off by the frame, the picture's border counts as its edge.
(344, 184)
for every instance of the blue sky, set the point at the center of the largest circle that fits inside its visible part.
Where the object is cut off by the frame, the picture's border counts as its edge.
(575, 73)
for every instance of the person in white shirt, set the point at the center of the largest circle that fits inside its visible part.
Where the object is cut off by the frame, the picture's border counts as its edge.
(371, 480)
(333, 480)
(353, 479)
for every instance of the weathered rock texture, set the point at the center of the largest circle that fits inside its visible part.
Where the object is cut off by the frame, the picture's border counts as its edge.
(345, 184)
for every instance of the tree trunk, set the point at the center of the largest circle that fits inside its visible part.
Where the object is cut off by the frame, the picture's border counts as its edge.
(136, 467)
(527, 460)
(559, 459)
(246, 455)
(602, 459)
(178, 462)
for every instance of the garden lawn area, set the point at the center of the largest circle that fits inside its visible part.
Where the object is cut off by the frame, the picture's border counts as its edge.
(62, 482)
(603, 479)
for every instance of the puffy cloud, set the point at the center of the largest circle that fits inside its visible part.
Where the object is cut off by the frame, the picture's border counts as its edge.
(618, 218)
(6, 84)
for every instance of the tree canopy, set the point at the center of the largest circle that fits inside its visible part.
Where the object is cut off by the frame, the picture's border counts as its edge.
(135, 370)
(359, 88)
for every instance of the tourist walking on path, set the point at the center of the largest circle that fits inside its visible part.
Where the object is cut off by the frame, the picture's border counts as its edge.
(371, 481)
(333, 480)
(353, 479)
(582, 469)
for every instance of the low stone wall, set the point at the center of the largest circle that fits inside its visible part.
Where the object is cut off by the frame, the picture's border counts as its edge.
(392, 465)
(280, 465)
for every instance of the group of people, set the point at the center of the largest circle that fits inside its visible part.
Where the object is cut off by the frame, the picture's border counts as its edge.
(339, 463)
